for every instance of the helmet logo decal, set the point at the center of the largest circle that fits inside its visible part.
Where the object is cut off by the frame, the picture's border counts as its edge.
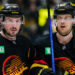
(61, 9)
(15, 12)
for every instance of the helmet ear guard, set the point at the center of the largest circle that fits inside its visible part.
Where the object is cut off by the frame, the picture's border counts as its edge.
(1, 20)
(23, 20)
(73, 21)
(54, 22)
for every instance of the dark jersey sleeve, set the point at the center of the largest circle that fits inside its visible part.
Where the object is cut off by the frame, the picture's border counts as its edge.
(41, 64)
(30, 51)
(27, 51)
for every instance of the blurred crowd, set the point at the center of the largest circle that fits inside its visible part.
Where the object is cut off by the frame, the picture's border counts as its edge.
(35, 25)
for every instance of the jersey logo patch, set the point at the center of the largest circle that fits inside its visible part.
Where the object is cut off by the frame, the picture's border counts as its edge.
(13, 65)
(47, 50)
(2, 50)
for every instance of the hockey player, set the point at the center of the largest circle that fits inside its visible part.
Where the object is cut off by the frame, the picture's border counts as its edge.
(16, 51)
(64, 45)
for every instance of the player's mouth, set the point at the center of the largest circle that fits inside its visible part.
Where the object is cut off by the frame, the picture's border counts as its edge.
(13, 30)
(62, 27)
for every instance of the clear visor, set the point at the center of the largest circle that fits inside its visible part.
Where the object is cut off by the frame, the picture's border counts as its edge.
(22, 21)
(54, 22)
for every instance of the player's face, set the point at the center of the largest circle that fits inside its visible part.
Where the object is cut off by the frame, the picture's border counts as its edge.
(12, 25)
(64, 23)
